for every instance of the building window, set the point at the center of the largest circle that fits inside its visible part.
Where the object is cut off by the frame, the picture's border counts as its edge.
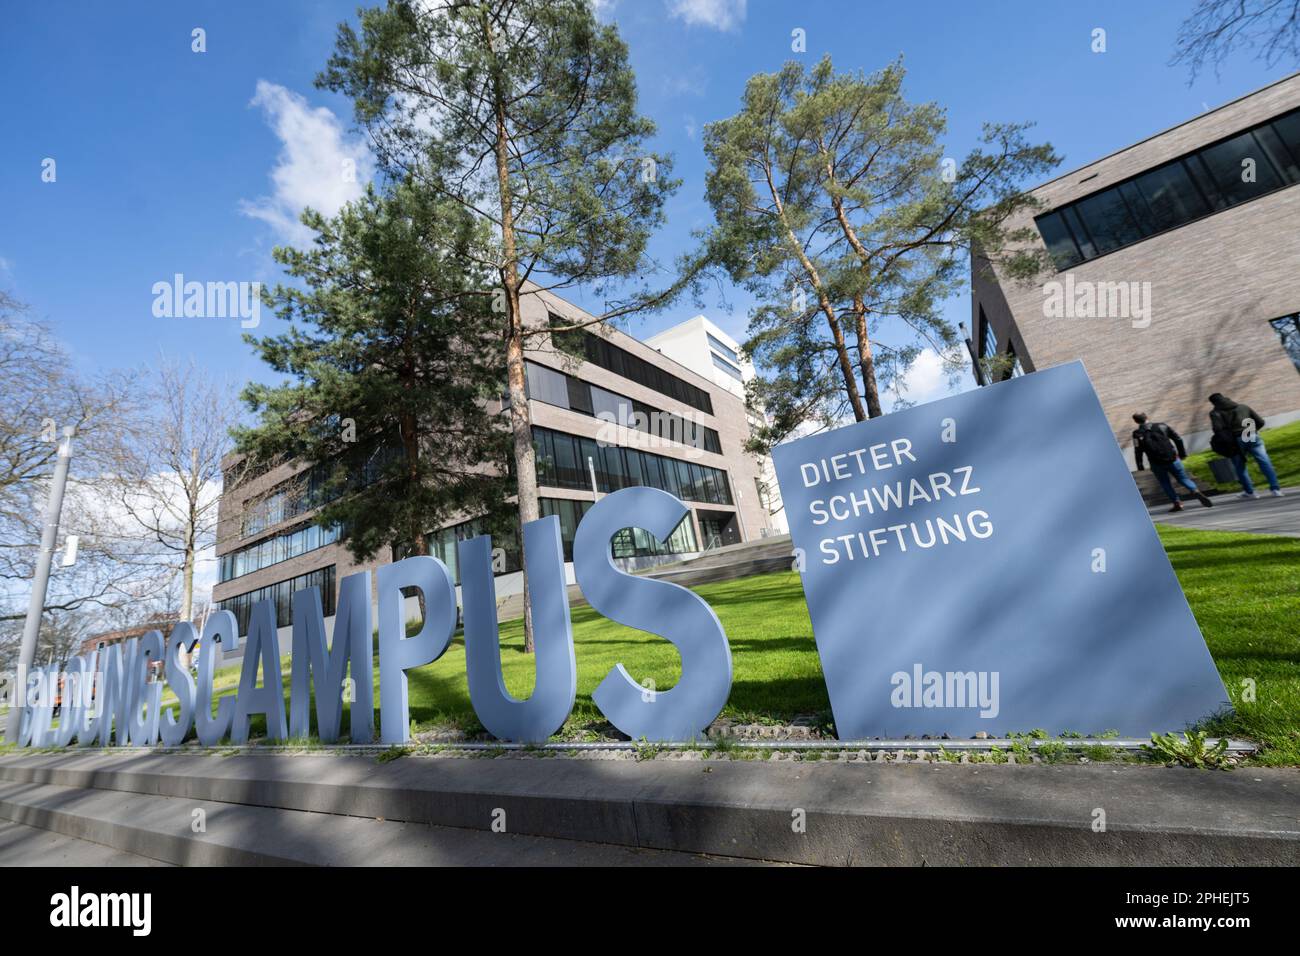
(1016, 370)
(628, 543)
(727, 367)
(726, 350)
(988, 339)
(1232, 171)
(600, 351)
(241, 605)
(564, 391)
(566, 461)
(444, 545)
(1288, 330)
(282, 547)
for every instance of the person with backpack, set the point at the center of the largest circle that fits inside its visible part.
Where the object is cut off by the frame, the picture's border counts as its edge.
(1163, 448)
(1236, 428)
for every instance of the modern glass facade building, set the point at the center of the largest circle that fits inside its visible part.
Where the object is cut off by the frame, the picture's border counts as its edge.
(1174, 272)
(608, 413)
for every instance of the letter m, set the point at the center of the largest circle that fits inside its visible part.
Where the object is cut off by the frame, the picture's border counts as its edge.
(314, 664)
(1117, 299)
(962, 687)
(223, 300)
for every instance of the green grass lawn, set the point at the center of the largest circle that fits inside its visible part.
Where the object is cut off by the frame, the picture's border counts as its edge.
(1244, 590)
(1283, 446)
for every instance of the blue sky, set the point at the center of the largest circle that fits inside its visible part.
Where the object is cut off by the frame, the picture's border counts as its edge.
(173, 161)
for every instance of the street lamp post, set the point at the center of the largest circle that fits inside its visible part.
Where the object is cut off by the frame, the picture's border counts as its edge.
(41, 580)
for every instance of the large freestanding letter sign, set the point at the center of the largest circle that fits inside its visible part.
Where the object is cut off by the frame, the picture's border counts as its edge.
(221, 629)
(398, 653)
(312, 663)
(262, 646)
(684, 711)
(985, 562)
(535, 719)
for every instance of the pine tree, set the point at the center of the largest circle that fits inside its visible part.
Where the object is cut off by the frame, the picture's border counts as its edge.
(393, 401)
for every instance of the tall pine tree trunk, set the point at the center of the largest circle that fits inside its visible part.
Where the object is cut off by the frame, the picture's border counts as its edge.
(866, 361)
(521, 426)
(824, 302)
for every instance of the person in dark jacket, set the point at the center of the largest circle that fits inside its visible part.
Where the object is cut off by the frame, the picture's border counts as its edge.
(1163, 448)
(1240, 424)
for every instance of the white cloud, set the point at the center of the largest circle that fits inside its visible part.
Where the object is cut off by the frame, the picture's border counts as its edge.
(317, 166)
(927, 379)
(6, 267)
(723, 15)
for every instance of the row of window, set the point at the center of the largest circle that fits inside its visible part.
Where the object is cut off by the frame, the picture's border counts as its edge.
(720, 363)
(273, 550)
(718, 345)
(628, 543)
(988, 348)
(602, 352)
(292, 497)
(443, 545)
(565, 461)
(1225, 174)
(547, 385)
(311, 488)
(241, 605)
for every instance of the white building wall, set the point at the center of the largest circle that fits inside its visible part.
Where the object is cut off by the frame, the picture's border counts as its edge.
(689, 344)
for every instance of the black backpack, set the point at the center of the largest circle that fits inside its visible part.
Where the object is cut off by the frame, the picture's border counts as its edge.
(1222, 443)
(1157, 445)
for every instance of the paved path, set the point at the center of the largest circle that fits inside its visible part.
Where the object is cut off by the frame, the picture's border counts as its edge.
(1264, 515)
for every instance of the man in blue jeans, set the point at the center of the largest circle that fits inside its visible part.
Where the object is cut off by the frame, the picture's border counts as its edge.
(1163, 447)
(1241, 424)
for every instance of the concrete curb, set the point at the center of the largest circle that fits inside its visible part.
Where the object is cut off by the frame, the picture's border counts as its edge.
(852, 813)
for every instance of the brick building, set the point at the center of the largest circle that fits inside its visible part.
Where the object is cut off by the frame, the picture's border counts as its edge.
(268, 546)
(1176, 272)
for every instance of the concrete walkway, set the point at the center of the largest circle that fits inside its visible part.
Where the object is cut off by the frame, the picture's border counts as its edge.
(1264, 515)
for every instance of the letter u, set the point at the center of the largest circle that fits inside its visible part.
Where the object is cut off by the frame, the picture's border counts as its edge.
(505, 716)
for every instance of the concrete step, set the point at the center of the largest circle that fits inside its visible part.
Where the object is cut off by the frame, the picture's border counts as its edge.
(162, 828)
(691, 576)
(855, 813)
(778, 546)
(21, 845)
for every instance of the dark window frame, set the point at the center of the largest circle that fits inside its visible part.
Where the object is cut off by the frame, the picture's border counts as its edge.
(1198, 172)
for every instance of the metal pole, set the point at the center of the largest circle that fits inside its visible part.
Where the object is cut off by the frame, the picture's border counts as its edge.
(32, 626)
(974, 356)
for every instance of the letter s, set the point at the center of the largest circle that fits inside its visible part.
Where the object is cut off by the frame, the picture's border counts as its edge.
(174, 725)
(669, 610)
